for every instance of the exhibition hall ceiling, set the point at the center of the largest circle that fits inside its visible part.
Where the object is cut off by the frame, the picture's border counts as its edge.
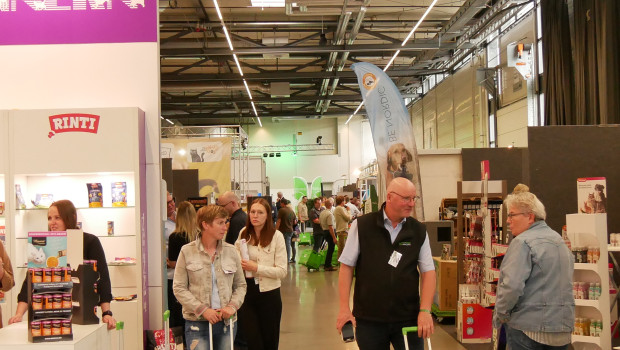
(296, 59)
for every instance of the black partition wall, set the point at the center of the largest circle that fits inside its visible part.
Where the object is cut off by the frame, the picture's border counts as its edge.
(559, 155)
(510, 164)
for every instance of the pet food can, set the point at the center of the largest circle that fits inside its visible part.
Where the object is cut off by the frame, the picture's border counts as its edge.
(37, 275)
(56, 327)
(110, 228)
(67, 274)
(37, 302)
(46, 328)
(35, 327)
(67, 303)
(66, 326)
(57, 274)
(57, 300)
(47, 302)
(47, 275)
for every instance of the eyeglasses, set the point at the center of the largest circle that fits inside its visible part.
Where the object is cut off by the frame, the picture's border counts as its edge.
(407, 199)
(511, 215)
(171, 201)
(223, 205)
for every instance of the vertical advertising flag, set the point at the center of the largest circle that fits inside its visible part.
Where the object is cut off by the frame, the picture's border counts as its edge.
(391, 129)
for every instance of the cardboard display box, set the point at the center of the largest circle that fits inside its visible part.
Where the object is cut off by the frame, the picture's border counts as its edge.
(446, 290)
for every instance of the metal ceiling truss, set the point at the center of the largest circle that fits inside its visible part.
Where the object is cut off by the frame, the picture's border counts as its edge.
(201, 84)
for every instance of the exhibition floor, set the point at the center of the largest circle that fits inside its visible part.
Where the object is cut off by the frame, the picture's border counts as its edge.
(310, 307)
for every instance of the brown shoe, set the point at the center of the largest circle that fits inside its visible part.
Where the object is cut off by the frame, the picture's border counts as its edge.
(331, 268)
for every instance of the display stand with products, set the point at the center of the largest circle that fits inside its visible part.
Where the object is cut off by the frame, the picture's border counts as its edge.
(49, 310)
(588, 235)
(480, 246)
(96, 159)
(84, 294)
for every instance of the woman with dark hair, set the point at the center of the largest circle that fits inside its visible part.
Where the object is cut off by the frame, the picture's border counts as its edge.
(262, 309)
(62, 216)
(185, 232)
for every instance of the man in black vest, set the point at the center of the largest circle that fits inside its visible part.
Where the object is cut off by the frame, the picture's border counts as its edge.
(386, 248)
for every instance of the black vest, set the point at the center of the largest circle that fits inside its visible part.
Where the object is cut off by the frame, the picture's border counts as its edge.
(382, 292)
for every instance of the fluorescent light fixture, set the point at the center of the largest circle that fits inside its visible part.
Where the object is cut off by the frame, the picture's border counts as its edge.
(267, 3)
(217, 8)
(168, 120)
(238, 65)
(228, 38)
(254, 108)
(391, 60)
(259, 123)
(248, 90)
(419, 22)
(354, 113)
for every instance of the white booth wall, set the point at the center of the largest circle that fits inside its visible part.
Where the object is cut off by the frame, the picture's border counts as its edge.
(96, 76)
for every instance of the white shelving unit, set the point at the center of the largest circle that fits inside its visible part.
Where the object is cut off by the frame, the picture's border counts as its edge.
(590, 230)
(43, 159)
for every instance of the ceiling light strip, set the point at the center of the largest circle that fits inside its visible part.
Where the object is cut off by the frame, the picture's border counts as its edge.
(430, 7)
(238, 65)
(249, 93)
(217, 8)
(232, 49)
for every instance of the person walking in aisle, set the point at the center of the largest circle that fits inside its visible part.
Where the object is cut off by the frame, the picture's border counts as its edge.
(387, 248)
(238, 218)
(209, 282)
(302, 213)
(328, 224)
(317, 231)
(285, 223)
(262, 309)
(353, 209)
(169, 227)
(342, 215)
(185, 232)
(6, 274)
(535, 300)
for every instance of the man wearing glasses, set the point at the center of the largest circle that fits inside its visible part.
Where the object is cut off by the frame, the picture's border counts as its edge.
(238, 218)
(386, 248)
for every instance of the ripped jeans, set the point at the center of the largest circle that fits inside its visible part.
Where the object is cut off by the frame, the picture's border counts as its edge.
(197, 335)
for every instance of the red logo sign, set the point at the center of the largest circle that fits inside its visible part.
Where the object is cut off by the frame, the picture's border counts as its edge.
(73, 123)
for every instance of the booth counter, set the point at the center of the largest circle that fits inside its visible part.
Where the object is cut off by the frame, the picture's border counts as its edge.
(85, 337)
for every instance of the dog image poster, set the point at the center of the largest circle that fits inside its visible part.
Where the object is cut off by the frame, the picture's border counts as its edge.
(592, 195)
(47, 249)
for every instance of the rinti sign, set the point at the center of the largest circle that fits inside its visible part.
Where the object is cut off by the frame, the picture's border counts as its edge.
(32, 22)
(74, 122)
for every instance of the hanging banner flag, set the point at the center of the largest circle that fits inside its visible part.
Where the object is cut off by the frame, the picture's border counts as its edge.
(391, 129)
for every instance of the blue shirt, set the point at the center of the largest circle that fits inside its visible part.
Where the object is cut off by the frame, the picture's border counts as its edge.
(351, 250)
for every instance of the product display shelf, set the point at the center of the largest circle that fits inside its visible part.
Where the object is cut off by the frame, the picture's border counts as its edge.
(590, 230)
(61, 163)
(48, 315)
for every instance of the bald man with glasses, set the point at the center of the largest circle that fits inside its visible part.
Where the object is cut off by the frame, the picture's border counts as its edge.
(386, 248)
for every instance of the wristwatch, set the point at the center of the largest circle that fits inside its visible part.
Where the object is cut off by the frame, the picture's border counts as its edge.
(106, 313)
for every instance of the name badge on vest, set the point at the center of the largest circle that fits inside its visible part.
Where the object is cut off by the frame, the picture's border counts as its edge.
(395, 258)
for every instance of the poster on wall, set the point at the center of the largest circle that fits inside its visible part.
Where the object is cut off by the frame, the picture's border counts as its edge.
(37, 22)
(592, 195)
(211, 157)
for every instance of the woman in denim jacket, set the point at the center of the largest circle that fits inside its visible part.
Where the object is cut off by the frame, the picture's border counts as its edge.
(209, 282)
(262, 309)
(535, 290)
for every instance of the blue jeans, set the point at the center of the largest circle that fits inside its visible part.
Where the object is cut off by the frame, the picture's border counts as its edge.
(517, 340)
(197, 332)
(287, 241)
(378, 335)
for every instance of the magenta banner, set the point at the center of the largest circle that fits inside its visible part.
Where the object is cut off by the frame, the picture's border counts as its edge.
(32, 22)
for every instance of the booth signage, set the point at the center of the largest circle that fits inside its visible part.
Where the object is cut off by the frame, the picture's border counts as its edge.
(32, 22)
(75, 122)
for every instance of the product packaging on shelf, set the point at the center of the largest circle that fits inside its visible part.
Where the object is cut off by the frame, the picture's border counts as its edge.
(19, 198)
(119, 194)
(95, 196)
